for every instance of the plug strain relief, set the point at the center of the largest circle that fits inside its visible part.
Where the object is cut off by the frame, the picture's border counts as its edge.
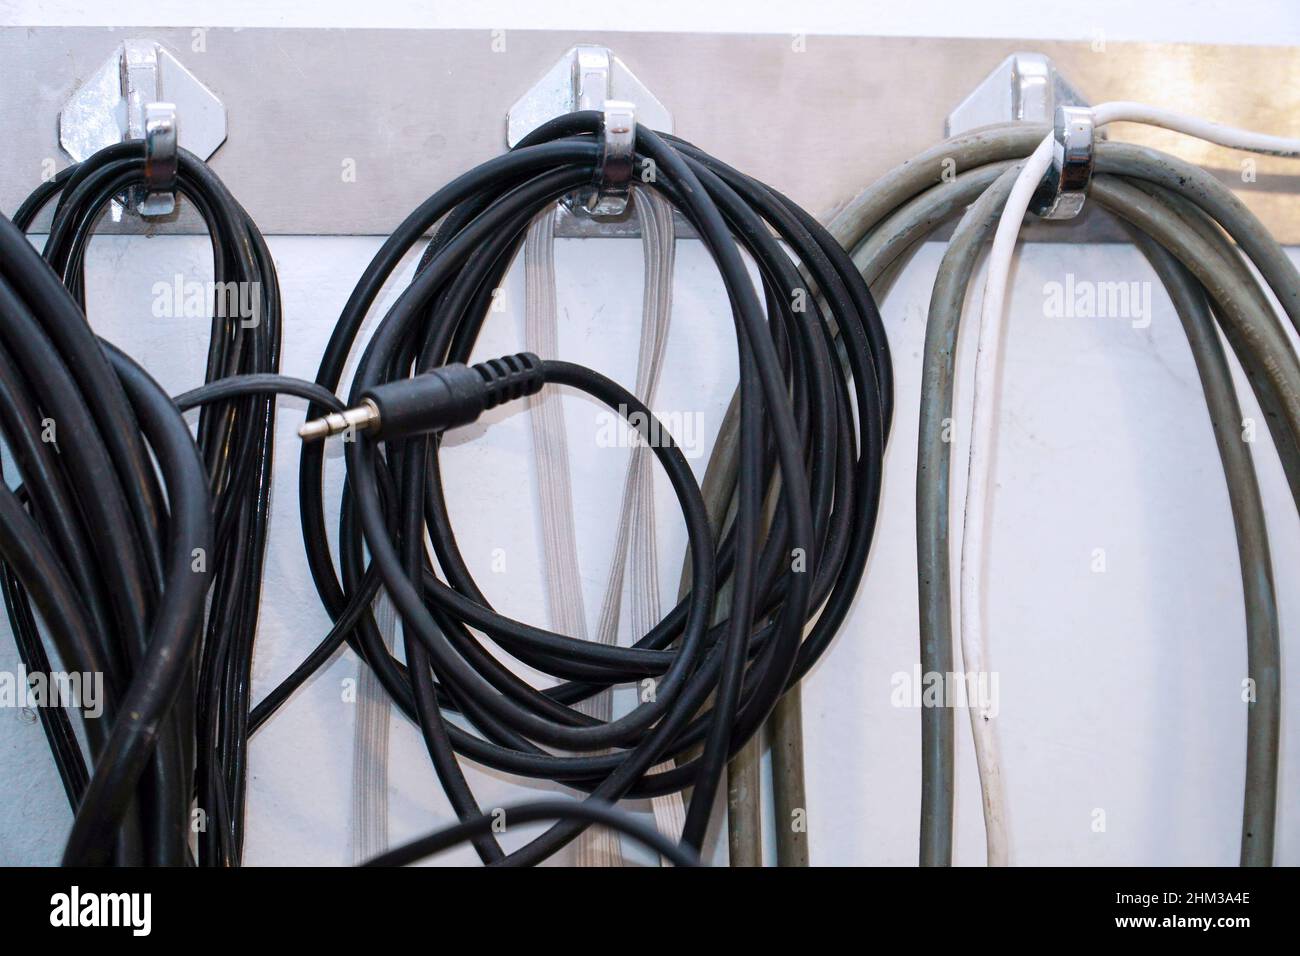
(510, 377)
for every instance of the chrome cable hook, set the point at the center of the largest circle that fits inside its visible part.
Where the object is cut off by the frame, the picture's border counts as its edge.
(161, 161)
(1064, 188)
(591, 77)
(138, 94)
(608, 197)
(592, 89)
(1026, 87)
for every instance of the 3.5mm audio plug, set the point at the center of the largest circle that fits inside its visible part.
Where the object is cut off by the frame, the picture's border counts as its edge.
(448, 396)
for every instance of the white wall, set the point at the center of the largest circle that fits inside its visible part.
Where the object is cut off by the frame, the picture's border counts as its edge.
(1119, 691)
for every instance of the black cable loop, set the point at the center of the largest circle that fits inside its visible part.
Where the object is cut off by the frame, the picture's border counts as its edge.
(801, 435)
(813, 422)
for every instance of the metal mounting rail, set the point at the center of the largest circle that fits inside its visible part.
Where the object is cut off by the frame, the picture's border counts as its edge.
(347, 131)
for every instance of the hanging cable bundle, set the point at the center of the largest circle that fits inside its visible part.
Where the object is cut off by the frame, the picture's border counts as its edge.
(234, 438)
(100, 541)
(1198, 238)
(812, 427)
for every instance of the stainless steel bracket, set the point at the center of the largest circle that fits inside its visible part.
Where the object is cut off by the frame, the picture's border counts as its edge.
(160, 159)
(139, 93)
(367, 127)
(590, 77)
(1027, 88)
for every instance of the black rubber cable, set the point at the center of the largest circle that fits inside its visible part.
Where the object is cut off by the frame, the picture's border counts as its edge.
(586, 811)
(123, 449)
(209, 730)
(802, 437)
(813, 426)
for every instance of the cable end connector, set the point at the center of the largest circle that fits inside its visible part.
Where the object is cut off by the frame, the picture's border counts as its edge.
(365, 416)
(449, 396)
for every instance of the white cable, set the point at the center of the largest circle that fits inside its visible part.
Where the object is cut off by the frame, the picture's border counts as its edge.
(979, 466)
(635, 533)
(595, 846)
(370, 746)
(1122, 111)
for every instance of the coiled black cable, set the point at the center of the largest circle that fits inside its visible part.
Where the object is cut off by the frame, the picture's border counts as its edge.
(813, 422)
(591, 811)
(100, 540)
(210, 732)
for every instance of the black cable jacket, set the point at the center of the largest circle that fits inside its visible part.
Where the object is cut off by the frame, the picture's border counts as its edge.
(587, 811)
(803, 442)
(239, 386)
(133, 806)
(55, 720)
(813, 422)
(206, 736)
(174, 637)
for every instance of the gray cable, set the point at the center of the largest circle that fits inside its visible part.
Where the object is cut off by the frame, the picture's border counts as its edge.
(1252, 535)
(1178, 204)
(1255, 334)
(933, 470)
(785, 729)
(595, 846)
(635, 534)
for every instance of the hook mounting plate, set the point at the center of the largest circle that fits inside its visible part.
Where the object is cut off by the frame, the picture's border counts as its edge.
(120, 101)
(1025, 87)
(590, 77)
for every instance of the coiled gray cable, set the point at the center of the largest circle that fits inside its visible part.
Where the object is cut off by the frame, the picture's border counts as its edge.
(1251, 329)
(1184, 219)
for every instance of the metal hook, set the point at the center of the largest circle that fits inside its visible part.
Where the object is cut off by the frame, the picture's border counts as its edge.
(160, 159)
(1027, 88)
(590, 77)
(614, 173)
(124, 100)
(1064, 189)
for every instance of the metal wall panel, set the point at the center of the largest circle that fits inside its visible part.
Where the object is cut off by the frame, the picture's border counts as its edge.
(414, 108)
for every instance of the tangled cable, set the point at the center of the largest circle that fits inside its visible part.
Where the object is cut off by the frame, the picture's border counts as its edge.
(776, 550)
(208, 730)
(103, 547)
(800, 446)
